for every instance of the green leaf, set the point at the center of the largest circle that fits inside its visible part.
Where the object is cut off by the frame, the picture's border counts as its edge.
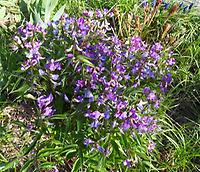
(77, 165)
(59, 14)
(71, 153)
(9, 165)
(2, 158)
(48, 151)
(149, 164)
(85, 60)
(38, 18)
(22, 90)
(101, 165)
(27, 165)
(59, 116)
(118, 147)
(50, 5)
(20, 124)
(56, 142)
(47, 165)
(68, 148)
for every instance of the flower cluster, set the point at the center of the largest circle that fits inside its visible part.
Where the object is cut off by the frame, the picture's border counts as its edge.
(43, 104)
(83, 63)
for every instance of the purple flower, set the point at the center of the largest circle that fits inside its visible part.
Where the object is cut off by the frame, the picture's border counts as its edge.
(28, 63)
(145, 125)
(154, 55)
(171, 61)
(80, 83)
(131, 56)
(30, 127)
(151, 146)
(100, 149)
(88, 94)
(132, 112)
(99, 13)
(41, 72)
(103, 58)
(88, 13)
(146, 90)
(125, 125)
(121, 115)
(95, 124)
(122, 105)
(127, 163)
(48, 111)
(157, 47)
(116, 41)
(111, 96)
(145, 55)
(55, 32)
(107, 115)
(30, 26)
(70, 56)
(166, 6)
(157, 104)
(89, 69)
(127, 77)
(114, 75)
(136, 44)
(167, 78)
(152, 97)
(53, 65)
(120, 68)
(79, 99)
(55, 77)
(81, 23)
(94, 115)
(144, 4)
(140, 105)
(44, 101)
(88, 142)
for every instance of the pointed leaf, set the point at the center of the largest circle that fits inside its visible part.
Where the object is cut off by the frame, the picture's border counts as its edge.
(9, 165)
(85, 60)
(77, 165)
(59, 14)
(27, 165)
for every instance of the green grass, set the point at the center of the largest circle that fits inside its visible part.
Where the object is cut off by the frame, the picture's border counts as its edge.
(180, 146)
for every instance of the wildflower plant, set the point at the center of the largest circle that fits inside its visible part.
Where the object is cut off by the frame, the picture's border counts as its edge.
(111, 89)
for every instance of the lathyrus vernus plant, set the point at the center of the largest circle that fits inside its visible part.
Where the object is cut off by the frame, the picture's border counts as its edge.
(110, 91)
